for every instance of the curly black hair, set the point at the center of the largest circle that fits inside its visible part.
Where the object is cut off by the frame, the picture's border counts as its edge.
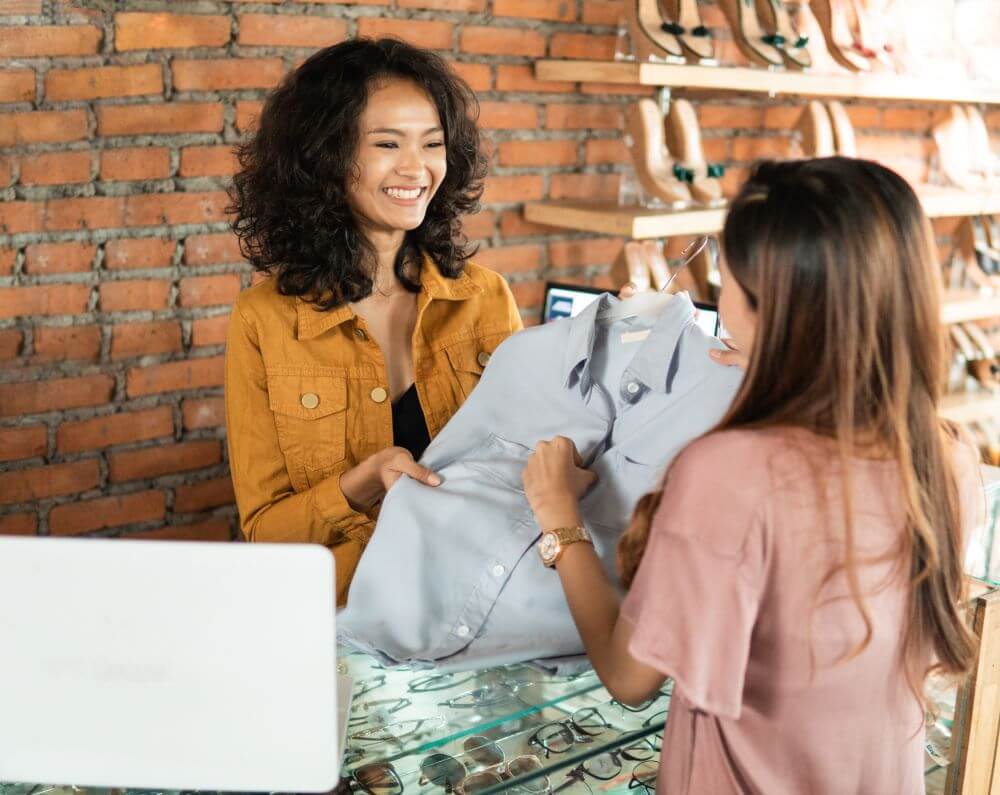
(289, 197)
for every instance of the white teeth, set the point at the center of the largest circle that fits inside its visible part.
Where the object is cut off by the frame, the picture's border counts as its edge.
(401, 193)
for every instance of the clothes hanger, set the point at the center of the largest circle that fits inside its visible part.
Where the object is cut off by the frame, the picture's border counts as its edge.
(652, 304)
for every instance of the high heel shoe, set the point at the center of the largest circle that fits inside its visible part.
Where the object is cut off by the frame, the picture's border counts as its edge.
(954, 142)
(682, 18)
(843, 130)
(653, 169)
(783, 35)
(832, 18)
(684, 143)
(748, 34)
(816, 130)
(984, 162)
(649, 39)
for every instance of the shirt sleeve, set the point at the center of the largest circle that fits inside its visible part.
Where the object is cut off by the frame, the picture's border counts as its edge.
(695, 598)
(269, 508)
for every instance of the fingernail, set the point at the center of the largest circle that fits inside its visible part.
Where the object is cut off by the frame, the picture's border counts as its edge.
(715, 354)
(434, 480)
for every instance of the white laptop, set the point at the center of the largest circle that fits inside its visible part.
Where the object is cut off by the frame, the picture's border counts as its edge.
(168, 665)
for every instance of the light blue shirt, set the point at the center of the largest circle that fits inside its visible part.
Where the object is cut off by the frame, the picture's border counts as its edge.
(451, 576)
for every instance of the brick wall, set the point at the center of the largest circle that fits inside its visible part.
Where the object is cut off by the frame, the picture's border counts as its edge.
(116, 265)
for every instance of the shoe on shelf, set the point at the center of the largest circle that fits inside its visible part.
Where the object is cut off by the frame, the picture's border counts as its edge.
(649, 38)
(832, 16)
(684, 143)
(972, 257)
(984, 162)
(870, 21)
(843, 130)
(783, 35)
(748, 34)
(954, 138)
(683, 19)
(816, 130)
(653, 168)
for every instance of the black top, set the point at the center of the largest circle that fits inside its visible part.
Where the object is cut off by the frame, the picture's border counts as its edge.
(409, 428)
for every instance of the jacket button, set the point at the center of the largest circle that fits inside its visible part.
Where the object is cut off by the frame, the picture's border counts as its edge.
(360, 334)
(483, 358)
(310, 400)
(463, 631)
(379, 395)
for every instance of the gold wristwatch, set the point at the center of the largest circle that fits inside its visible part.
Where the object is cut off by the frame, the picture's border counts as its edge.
(554, 542)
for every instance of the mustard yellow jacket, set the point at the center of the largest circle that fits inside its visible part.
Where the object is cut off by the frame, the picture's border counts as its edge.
(306, 399)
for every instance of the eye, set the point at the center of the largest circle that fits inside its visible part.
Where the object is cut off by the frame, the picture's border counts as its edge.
(387, 145)
(435, 144)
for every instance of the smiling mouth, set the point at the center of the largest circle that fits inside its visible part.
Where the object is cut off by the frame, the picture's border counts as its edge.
(405, 194)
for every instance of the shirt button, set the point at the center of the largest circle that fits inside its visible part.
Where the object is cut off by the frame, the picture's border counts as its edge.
(499, 571)
(360, 334)
(483, 358)
(633, 388)
(309, 400)
(463, 631)
(379, 395)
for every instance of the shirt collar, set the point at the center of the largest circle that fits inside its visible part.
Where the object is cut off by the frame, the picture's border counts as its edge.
(651, 364)
(312, 321)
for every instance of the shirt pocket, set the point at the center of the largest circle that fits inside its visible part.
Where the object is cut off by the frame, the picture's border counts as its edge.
(501, 460)
(469, 358)
(310, 415)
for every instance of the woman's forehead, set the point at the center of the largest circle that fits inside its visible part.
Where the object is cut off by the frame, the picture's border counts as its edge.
(396, 104)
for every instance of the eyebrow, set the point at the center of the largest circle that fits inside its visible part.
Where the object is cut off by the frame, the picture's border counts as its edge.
(391, 131)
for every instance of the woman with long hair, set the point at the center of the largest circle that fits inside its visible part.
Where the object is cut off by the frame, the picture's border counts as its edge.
(799, 574)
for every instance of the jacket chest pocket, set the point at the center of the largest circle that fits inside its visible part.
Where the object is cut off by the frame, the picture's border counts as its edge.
(310, 415)
(468, 360)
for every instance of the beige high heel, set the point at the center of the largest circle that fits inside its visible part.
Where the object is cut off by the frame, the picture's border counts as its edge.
(954, 140)
(684, 143)
(816, 130)
(832, 18)
(984, 162)
(653, 169)
(748, 33)
(843, 130)
(649, 39)
(683, 19)
(783, 35)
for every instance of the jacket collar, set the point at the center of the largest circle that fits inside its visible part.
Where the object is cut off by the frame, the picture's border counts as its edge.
(311, 322)
(652, 363)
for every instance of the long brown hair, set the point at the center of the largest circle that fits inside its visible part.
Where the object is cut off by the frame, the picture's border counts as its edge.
(836, 258)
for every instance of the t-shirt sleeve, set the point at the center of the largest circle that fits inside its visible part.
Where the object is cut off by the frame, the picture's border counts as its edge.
(695, 598)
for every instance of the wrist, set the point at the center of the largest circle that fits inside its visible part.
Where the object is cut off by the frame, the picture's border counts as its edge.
(558, 513)
(361, 484)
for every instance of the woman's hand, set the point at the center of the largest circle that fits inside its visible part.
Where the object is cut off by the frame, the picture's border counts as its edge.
(367, 483)
(730, 358)
(554, 483)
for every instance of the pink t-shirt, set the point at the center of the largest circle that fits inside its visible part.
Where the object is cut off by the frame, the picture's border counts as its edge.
(728, 601)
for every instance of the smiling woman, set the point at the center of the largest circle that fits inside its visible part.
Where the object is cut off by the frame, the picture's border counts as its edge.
(373, 325)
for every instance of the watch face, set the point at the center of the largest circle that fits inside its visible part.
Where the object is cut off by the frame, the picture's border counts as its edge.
(549, 546)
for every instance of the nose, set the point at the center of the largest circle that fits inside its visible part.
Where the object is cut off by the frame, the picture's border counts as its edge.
(411, 162)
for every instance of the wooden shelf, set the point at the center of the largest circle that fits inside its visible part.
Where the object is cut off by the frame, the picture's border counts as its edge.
(970, 408)
(969, 305)
(642, 222)
(762, 81)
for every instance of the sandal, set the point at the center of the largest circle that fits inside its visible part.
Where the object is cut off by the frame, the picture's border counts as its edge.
(816, 130)
(748, 34)
(649, 39)
(783, 35)
(653, 169)
(840, 41)
(683, 19)
(684, 143)
(843, 130)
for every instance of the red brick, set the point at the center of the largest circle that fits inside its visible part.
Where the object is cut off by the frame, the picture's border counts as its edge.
(67, 343)
(6, 171)
(39, 483)
(864, 116)
(115, 429)
(96, 212)
(508, 115)
(598, 187)
(157, 209)
(7, 258)
(511, 259)
(37, 41)
(429, 34)
(135, 164)
(281, 30)
(582, 117)
(86, 517)
(601, 12)
(45, 258)
(16, 217)
(748, 149)
(479, 76)
(201, 413)
(55, 168)
(522, 79)
(218, 528)
(556, 10)
(132, 295)
(37, 397)
(164, 459)
(48, 299)
(43, 126)
(164, 117)
(229, 74)
(440, 5)
(779, 117)
(500, 189)
(145, 339)
(502, 41)
(582, 45)
(146, 252)
(539, 153)
(175, 376)
(142, 31)
(18, 524)
(19, 443)
(577, 253)
(101, 82)
(480, 225)
(11, 343)
(202, 496)
(738, 117)
(208, 161)
(907, 119)
(598, 151)
(528, 294)
(17, 85)
(21, 7)
(209, 331)
(212, 249)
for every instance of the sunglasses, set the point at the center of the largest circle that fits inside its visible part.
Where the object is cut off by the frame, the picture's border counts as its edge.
(397, 731)
(644, 777)
(559, 736)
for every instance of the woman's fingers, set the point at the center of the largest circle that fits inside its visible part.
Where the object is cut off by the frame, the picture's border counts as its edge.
(403, 464)
(731, 357)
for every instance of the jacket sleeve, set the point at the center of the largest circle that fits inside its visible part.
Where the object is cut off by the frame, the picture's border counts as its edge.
(514, 314)
(270, 509)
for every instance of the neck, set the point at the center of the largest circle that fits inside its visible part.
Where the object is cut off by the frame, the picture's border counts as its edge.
(386, 245)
